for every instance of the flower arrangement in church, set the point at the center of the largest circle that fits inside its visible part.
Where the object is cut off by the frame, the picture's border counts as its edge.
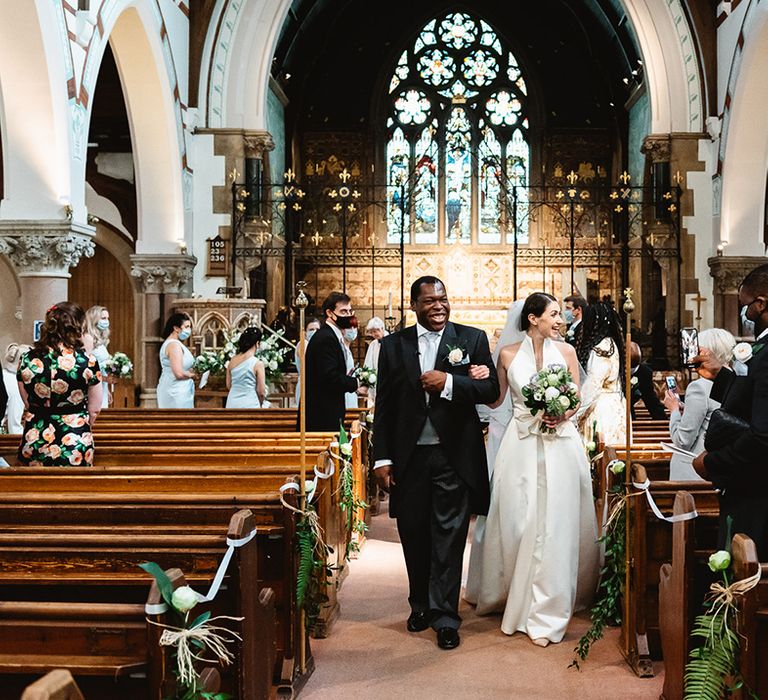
(209, 361)
(118, 366)
(272, 352)
(552, 391)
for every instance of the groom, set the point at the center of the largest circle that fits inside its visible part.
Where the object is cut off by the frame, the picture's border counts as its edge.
(429, 451)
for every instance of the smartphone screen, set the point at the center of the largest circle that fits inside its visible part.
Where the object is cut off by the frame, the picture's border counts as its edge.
(689, 345)
(672, 384)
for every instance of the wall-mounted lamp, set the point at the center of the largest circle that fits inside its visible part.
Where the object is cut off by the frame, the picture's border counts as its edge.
(721, 247)
(182, 246)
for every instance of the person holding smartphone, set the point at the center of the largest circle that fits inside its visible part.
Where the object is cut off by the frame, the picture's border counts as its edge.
(688, 421)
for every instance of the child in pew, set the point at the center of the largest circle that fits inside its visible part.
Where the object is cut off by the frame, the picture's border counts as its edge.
(688, 421)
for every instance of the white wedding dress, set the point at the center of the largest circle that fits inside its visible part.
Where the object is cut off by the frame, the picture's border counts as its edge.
(539, 542)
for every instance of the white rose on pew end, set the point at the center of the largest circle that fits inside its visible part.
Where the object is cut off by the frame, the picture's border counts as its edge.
(719, 561)
(346, 449)
(617, 466)
(184, 599)
(591, 447)
(742, 352)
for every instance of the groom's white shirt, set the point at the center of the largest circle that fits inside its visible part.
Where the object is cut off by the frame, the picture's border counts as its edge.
(427, 359)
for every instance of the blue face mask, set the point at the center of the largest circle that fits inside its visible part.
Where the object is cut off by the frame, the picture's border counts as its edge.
(310, 333)
(568, 315)
(747, 324)
(184, 334)
(350, 334)
(102, 324)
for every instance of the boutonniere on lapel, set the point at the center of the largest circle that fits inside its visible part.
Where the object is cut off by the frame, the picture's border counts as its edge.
(457, 356)
(744, 352)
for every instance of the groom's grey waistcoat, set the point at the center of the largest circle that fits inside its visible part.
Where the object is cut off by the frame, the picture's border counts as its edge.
(402, 410)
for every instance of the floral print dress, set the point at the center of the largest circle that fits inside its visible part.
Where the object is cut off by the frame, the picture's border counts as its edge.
(56, 428)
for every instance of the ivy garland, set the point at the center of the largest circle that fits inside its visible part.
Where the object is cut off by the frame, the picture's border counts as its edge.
(313, 567)
(607, 608)
(349, 503)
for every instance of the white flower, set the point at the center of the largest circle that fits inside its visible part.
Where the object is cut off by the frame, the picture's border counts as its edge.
(551, 393)
(591, 447)
(309, 486)
(633, 381)
(572, 386)
(565, 402)
(184, 599)
(273, 365)
(743, 352)
(455, 356)
(537, 396)
(553, 380)
(346, 449)
(721, 560)
(616, 466)
(371, 378)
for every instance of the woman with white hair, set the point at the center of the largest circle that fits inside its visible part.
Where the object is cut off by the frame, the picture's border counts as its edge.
(375, 330)
(95, 342)
(14, 412)
(688, 421)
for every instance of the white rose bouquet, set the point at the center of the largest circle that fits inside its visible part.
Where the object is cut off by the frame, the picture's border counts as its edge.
(551, 391)
(366, 375)
(272, 352)
(118, 366)
(208, 361)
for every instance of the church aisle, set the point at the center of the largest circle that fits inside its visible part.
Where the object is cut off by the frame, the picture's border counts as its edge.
(370, 655)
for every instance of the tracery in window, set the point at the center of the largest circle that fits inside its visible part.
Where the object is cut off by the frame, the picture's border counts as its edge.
(457, 137)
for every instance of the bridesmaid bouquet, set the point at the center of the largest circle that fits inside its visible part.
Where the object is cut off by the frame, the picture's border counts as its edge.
(209, 361)
(551, 391)
(119, 366)
(367, 376)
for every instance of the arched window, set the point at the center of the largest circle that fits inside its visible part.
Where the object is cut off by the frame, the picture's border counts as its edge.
(457, 138)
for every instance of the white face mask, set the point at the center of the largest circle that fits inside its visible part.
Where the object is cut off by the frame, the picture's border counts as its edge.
(350, 334)
(747, 324)
(102, 324)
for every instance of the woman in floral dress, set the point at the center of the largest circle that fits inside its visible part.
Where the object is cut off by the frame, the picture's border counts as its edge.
(62, 392)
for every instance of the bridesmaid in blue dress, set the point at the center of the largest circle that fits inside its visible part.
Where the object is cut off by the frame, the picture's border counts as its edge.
(245, 373)
(176, 388)
(95, 342)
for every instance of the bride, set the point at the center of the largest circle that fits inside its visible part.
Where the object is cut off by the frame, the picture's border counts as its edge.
(540, 537)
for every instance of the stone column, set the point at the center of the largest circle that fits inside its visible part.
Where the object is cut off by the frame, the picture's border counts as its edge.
(729, 272)
(42, 253)
(161, 279)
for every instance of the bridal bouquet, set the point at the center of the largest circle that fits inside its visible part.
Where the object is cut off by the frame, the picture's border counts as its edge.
(209, 361)
(118, 366)
(551, 391)
(366, 375)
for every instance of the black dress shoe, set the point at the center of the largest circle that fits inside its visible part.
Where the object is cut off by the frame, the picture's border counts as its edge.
(418, 621)
(448, 638)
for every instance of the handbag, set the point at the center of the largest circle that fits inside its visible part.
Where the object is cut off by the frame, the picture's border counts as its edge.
(723, 430)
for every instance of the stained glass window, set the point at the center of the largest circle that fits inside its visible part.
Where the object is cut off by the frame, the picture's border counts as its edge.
(457, 153)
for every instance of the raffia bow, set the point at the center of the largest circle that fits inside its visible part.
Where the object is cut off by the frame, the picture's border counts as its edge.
(211, 637)
(724, 597)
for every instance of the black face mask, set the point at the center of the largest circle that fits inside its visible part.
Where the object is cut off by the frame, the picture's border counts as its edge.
(343, 322)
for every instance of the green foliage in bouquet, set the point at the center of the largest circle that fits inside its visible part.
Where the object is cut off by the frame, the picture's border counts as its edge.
(119, 365)
(552, 391)
(209, 361)
(367, 376)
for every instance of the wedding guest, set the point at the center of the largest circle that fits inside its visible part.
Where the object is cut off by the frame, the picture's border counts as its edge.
(14, 412)
(738, 466)
(61, 389)
(643, 388)
(374, 330)
(95, 342)
(575, 306)
(176, 388)
(326, 366)
(349, 336)
(601, 353)
(245, 373)
(688, 422)
(312, 325)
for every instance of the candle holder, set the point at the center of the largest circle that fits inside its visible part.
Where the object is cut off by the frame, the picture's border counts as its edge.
(390, 324)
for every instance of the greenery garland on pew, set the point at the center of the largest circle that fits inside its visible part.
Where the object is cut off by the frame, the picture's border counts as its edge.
(607, 609)
(712, 671)
(313, 566)
(349, 503)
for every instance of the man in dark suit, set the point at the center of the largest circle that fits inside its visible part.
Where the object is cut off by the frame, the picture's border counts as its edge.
(326, 375)
(429, 450)
(575, 306)
(643, 388)
(740, 469)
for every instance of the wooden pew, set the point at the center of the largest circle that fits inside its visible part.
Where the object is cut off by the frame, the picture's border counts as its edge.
(56, 685)
(63, 614)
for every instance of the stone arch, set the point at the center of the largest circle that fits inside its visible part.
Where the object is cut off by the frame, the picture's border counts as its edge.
(136, 36)
(745, 158)
(237, 58)
(35, 116)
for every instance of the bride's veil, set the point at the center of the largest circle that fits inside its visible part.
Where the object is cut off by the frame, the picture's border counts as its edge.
(511, 334)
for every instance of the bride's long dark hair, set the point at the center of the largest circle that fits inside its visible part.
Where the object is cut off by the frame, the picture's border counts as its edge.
(601, 321)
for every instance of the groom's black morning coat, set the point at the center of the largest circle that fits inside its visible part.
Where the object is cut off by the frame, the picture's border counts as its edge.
(401, 407)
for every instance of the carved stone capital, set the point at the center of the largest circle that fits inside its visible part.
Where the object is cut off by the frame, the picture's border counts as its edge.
(658, 147)
(256, 143)
(45, 248)
(729, 271)
(163, 274)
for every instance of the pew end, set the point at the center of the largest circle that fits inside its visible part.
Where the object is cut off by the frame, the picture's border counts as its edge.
(55, 685)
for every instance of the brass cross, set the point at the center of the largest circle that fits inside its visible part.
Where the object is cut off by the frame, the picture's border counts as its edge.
(699, 300)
